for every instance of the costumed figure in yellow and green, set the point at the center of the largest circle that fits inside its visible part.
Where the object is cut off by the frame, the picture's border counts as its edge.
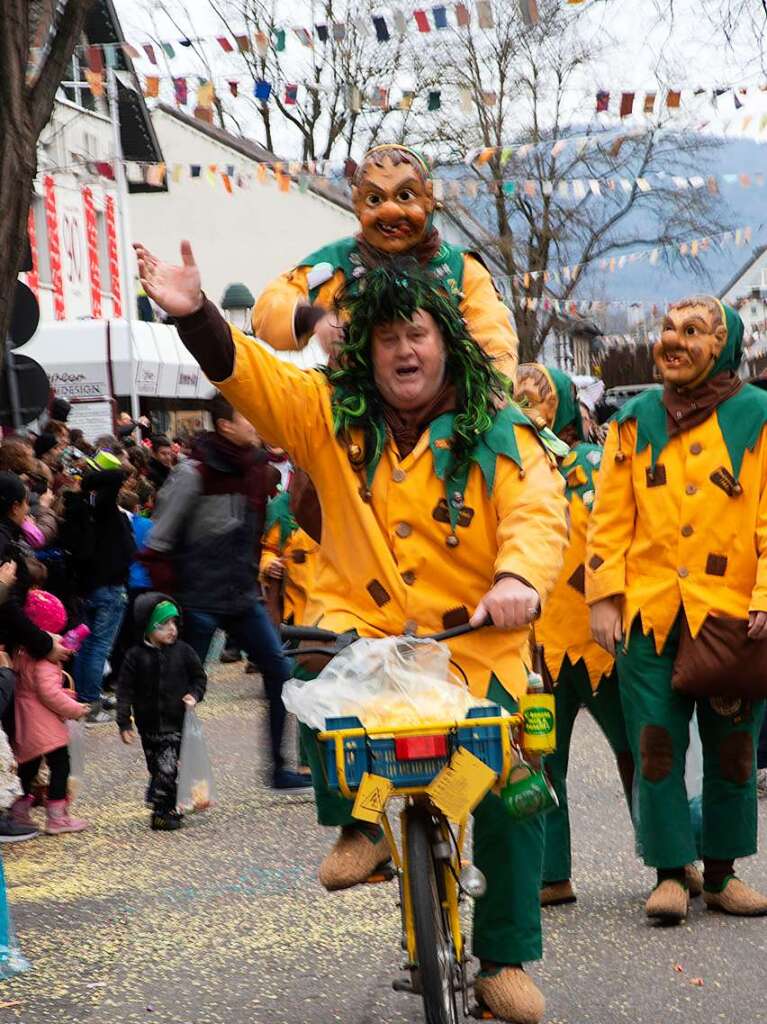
(288, 563)
(583, 673)
(392, 193)
(676, 577)
(440, 505)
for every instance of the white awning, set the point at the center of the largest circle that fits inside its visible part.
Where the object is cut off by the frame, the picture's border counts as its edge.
(90, 359)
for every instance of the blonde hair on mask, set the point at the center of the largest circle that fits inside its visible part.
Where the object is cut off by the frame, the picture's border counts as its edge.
(397, 155)
(707, 301)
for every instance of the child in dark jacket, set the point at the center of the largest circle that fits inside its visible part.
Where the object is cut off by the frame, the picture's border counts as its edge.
(160, 677)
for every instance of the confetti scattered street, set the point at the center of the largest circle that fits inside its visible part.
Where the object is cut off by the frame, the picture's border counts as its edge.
(225, 923)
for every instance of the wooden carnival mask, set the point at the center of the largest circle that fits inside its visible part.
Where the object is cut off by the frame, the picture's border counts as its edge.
(534, 391)
(392, 197)
(693, 335)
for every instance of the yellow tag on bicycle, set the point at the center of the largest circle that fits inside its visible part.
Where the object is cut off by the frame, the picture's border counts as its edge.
(370, 802)
(460, 785)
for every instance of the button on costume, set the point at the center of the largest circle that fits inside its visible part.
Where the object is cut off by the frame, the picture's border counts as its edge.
(678, 540)
(583, 672)
(414, 541)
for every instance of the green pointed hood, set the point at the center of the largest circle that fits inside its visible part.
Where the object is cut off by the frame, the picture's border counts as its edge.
(732, 353)
(568, 407)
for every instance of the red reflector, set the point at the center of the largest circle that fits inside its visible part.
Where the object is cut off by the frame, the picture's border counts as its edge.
(408, 748)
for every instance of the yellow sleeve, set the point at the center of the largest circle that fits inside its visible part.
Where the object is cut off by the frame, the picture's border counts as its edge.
(532, 524)
(611, 524)
(270, 549)
(759, 593)
(290, 408)
(275, 309)
(490, 321)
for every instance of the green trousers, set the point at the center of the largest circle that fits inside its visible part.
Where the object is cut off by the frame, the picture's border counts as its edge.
(657, 721)
(507, 920)
(572, 692)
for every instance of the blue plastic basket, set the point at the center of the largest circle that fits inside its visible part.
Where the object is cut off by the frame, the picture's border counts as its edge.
(377, 755)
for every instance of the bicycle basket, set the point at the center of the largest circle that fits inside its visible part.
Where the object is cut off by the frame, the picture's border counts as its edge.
(385, 756)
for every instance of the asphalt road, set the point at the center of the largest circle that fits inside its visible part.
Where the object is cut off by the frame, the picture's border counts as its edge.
(225, 923)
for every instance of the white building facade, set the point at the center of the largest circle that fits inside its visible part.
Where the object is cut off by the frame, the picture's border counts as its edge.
(253, 232)
(74, 224)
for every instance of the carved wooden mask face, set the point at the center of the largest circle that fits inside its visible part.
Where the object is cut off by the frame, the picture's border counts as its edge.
(692, 337)
(393, 202)
(534, 391)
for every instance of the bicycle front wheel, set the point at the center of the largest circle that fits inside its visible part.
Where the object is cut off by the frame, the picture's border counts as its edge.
(437, 967)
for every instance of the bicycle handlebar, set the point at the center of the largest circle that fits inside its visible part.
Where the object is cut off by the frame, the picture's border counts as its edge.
(317, 635)
(308, 633)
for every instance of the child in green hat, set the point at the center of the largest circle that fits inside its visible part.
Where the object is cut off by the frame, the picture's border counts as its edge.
(160, 678)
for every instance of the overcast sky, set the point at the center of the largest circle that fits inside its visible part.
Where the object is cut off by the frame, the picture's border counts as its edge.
(640, 52)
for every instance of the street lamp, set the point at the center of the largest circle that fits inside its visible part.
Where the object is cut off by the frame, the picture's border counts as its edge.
(237, 302)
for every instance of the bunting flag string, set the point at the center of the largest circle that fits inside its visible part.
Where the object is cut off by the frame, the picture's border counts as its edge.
(616, 100)
(288, 174)
(379, 97)
(321, 171)
(694, 247)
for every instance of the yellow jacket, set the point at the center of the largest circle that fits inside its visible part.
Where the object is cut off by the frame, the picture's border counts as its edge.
(674, 537)
(298, 554)
(384, 566)
(490, 322)
(564, 627)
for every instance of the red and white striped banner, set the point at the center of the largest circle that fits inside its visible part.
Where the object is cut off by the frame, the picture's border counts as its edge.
(114, 263)
(54, 248)
(93, 252)
(33, 275)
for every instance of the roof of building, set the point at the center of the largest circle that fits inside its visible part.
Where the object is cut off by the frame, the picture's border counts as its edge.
(755, 255)
(253, 151)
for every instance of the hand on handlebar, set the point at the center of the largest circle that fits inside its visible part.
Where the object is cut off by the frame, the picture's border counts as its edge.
(510, 603)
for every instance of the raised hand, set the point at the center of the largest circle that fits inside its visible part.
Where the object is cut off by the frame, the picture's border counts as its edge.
(176, 290)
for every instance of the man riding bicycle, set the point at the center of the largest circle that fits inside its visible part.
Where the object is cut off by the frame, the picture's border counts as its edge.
(439, 506)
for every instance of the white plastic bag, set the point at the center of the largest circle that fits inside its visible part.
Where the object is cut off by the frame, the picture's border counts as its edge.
(693, 779)
(76, 729)
(196, 787)
(398, 680)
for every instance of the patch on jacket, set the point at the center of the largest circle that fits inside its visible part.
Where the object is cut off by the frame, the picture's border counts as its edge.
(299, 557)
(577, 477)
(725, 481)
(455, 617)
(595, 562)
(378, 592)
(716, 565)
(656, 475)
(578, 579)
(442, 514)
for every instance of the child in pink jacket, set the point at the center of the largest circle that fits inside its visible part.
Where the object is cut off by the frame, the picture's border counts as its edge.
(42, 708)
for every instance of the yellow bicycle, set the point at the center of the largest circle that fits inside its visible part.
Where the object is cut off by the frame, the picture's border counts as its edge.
(428, 862)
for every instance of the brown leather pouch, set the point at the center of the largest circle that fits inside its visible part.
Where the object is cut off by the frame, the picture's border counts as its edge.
(721, 661)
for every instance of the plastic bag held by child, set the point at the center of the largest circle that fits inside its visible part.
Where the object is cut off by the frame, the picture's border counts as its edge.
(196, 788)
(398, 680)
(76, 730)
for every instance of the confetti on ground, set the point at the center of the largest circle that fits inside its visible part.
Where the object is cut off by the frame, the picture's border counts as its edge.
(697, 981)
(224, 922)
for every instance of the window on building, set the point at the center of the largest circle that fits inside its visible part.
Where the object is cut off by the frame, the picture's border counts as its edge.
(41, 235)
(91, 145)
